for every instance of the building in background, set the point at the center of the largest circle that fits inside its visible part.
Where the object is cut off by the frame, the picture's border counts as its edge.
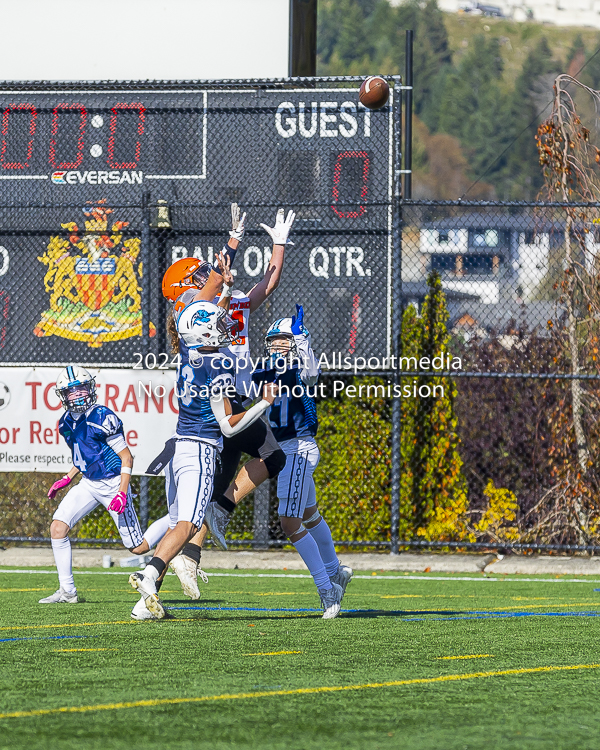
(559, 12)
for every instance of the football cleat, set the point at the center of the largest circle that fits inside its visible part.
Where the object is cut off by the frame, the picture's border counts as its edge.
(217, 520)
(141, 611)
(331, 600)
(186, 570)
(147, 589)
(60, 597)
(342, 577)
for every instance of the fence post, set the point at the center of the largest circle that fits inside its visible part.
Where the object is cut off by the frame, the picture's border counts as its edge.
(147, 277)
(261, 515)
(396, 313)
(145, 333)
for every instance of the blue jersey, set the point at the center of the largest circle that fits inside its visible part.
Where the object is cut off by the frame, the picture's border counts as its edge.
(291, 416)
(195, 384)
(87, 438)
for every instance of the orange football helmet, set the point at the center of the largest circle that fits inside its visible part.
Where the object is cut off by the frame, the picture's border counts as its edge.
(184, 274)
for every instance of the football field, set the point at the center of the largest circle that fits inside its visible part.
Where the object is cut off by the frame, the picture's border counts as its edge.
(414, 661)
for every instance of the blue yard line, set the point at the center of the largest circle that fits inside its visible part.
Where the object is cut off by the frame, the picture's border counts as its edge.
(45, 638)
(471, 615)
(502, 615)
(252, 609)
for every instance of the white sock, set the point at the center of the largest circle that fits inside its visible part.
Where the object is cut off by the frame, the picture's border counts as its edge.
(321, 533)
(155, 532)
(308, 550)
(151, 572)
(64, 563)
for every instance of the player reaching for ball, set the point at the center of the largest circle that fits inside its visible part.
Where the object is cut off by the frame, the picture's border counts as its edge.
(205, 385)
(257, 441)
(94, 434)
(293, 418)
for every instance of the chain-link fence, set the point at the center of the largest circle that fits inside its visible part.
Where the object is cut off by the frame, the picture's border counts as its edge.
(459, 341)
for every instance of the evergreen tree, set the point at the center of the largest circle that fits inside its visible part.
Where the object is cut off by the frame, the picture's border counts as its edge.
(351, 43)
(431, 112)
(410, 344)
(439, 487)
(590, 75)
(472, 107)
(575, 56)
(327, 29)
(435, 29)
(524, 174)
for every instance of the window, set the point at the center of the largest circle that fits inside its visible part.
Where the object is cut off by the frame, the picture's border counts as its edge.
(485, 238)
(480, 265)
(443, 263)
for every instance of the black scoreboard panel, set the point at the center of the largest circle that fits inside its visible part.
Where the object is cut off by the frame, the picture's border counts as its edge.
(74, 165)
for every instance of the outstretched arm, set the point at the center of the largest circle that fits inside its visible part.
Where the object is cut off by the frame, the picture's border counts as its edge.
(231, 424)
(270, 281)
(279, 234)
(310, 370)
(213, 286)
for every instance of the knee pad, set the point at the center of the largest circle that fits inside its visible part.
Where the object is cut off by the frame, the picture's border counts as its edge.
(275, 462)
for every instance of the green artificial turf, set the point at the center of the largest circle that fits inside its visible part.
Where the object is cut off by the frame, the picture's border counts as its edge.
(402, 629)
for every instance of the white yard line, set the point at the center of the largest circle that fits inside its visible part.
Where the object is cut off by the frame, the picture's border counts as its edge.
(378, 577)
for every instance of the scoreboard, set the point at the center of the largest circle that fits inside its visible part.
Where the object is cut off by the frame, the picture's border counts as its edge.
(76, 167)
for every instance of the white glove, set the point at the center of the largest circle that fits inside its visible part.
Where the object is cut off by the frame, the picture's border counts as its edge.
(237, 225)
(279, 233)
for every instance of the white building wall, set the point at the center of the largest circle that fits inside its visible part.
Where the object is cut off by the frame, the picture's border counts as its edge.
(533, 263)
(456, 244)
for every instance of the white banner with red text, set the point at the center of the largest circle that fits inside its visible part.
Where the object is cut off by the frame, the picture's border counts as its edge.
(144, 400)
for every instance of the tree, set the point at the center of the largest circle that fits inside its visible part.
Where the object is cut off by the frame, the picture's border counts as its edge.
(524, 178)
(353, 477)
(439, 488)
(570, 158)
(590, 75)
(411, 345)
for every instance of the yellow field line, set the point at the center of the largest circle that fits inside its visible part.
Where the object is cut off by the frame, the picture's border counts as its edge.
(13, 591)
(297, 691)
(273, 653)
(72, 650)
(405, 596)
(468, 656)
(88, 624)
(67, 625)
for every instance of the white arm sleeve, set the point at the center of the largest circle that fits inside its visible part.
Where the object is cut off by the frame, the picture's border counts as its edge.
(309, 374)
(217, 404)
(116, 442)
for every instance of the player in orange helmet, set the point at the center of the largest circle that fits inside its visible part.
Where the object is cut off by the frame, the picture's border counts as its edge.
(267, 458)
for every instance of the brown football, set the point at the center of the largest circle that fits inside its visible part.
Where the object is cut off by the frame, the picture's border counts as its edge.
(374, 92)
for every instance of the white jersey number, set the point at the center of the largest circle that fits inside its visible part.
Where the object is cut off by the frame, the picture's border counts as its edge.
(282, 402)
(78, 458)
(188, 378)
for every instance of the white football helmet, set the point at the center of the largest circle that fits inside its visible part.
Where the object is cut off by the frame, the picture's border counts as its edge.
(203, 324)
(281, 328)
(76, 388)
